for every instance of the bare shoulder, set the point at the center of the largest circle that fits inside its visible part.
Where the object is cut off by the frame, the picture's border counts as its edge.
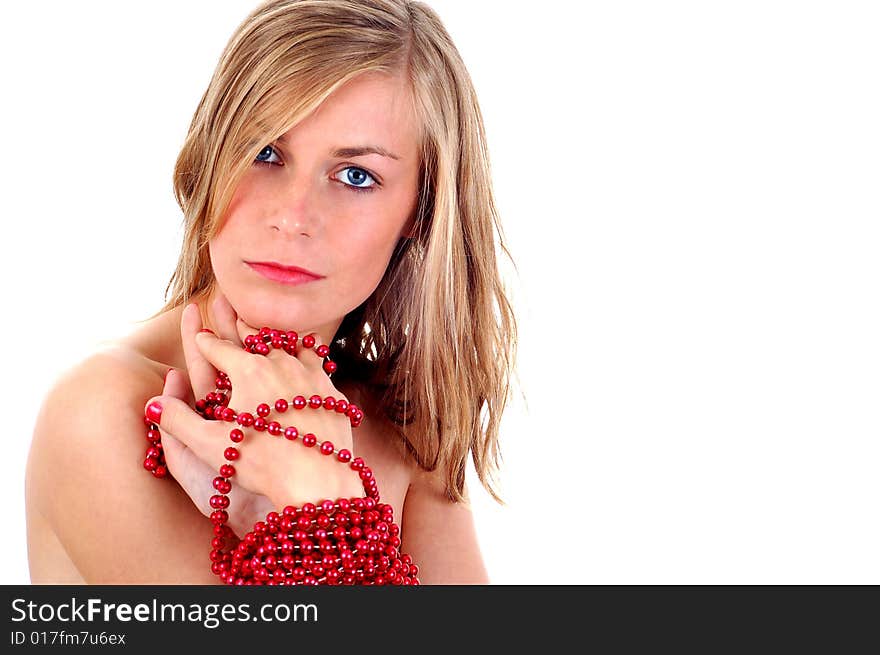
(440, 534)
(85, 475)
(104, 389)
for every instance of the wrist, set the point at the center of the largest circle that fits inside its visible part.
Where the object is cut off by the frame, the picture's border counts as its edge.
(319, 483)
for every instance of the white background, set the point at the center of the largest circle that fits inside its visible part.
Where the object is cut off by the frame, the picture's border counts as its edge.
(689, 190)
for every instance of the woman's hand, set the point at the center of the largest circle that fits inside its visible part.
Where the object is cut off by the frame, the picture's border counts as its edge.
(272, 472)
(194, 474)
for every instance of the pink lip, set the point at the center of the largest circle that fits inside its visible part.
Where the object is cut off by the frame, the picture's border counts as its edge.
(285, 274)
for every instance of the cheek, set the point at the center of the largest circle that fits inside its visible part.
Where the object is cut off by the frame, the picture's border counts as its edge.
(366, 254)
(225, 253)
(220, 252)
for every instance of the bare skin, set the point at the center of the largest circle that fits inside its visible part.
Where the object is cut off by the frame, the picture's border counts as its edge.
(94, 515)
(148, 353)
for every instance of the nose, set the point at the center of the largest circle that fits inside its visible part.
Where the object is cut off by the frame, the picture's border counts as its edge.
(293, 212)
(291, 225)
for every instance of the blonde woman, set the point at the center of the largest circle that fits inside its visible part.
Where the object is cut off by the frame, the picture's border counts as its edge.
(334, 182)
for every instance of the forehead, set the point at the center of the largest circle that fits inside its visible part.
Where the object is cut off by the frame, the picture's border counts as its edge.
(371, 109)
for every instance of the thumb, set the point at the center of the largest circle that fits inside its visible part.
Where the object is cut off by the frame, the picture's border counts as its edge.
(174, 417)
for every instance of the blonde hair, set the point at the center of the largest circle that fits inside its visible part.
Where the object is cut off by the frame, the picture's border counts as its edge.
(436, 341)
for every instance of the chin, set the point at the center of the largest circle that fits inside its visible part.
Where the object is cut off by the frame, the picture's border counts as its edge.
(265, 312)
(273, 319)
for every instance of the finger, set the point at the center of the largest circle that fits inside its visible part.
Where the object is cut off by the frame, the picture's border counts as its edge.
(243, 330)
(226, 319)
(220, 353)
(191, 473)
(175, 417)
(311, 360)
(176, 385)
(202, 373)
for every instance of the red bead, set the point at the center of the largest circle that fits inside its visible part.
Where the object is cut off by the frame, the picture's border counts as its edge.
(346, 541)
(219, 502)
(154, 412)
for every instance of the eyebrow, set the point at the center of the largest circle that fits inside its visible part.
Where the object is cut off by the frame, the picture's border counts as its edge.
(358, 151)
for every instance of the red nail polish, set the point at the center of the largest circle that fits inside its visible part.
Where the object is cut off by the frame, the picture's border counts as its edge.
(207, 330)
(154, 412)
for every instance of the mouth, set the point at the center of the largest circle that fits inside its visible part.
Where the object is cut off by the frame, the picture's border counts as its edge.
(291, 275)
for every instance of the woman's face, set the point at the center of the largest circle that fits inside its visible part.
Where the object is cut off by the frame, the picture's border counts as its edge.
(339, 215)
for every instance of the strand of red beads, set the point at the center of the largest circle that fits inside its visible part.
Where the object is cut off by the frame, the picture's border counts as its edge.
(343, 542)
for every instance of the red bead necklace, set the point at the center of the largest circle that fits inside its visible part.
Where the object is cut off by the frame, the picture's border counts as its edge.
(343, 542)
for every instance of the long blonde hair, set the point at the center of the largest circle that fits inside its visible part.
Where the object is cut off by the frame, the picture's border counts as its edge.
(436, 341)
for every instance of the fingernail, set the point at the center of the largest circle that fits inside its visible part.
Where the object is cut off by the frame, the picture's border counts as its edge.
(154, 411)
(207, 330)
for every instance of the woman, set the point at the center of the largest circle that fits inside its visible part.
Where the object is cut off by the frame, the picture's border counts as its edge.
(343, 138)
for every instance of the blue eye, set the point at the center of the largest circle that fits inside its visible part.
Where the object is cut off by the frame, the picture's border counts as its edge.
(268, 151)
(356, 176)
